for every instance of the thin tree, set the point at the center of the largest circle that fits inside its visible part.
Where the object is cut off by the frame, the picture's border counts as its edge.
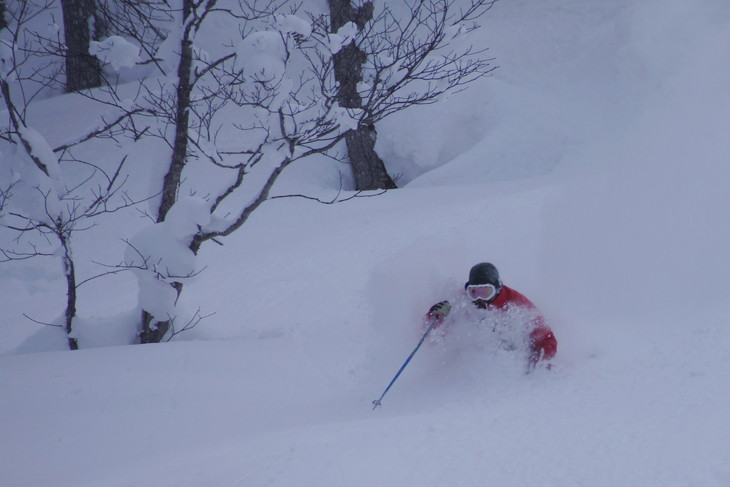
(60, 227)
(44, 208)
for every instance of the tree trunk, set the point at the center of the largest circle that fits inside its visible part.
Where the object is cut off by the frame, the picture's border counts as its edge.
(82, 69)
(182, 122)
(3, 23)
(367, 167)
(154, 331)
(70, 272)
(370, 170)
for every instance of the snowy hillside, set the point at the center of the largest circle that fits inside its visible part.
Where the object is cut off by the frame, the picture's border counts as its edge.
(591, 168)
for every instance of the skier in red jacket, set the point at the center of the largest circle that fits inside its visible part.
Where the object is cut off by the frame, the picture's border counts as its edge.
(507, 308)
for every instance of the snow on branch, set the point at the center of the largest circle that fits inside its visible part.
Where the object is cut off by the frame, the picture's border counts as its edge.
(115, 51)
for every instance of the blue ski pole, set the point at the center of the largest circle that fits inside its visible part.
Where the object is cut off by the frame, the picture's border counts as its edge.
(376, 402)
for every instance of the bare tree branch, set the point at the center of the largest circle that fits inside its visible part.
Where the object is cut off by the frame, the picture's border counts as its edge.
(41, 322)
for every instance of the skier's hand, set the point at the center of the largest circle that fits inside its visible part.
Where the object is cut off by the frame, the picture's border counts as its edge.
(439, 311)
(537, 357)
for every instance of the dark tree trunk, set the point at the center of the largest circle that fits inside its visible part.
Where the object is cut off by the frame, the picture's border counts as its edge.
(182, 124)
(370, 171)
(367, 167)
(3, 23)
(82, 69)
(154, 331)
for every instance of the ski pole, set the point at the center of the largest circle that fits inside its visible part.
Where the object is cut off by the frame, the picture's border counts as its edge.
(376, 403)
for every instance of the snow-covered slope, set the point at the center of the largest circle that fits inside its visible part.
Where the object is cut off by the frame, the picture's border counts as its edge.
(590, 168)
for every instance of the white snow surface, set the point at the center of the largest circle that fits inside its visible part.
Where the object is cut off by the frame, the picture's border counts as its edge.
(590, 168)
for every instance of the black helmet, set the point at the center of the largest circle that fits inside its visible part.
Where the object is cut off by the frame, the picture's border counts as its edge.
(484, 273)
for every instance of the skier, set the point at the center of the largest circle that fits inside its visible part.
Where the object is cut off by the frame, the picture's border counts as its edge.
(505, 308)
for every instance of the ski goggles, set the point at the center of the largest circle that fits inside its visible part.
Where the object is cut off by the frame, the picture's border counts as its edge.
(481, 291)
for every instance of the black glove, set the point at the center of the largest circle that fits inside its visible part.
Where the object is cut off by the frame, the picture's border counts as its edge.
(439, 310)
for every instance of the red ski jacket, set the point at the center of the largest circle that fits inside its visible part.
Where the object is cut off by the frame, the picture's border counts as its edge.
(543, 342)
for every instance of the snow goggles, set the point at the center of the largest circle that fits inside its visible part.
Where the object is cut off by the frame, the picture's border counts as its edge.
(481, 291)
